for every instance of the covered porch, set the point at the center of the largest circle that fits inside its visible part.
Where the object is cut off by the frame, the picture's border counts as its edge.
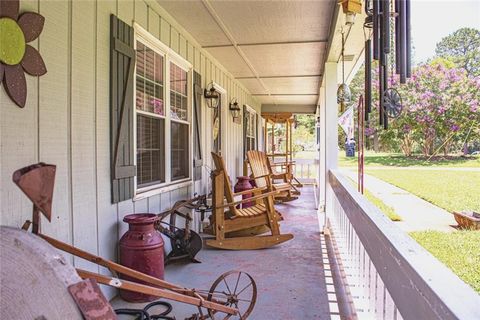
(294, 280)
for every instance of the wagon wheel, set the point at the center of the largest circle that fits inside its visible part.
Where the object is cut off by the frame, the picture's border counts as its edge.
(392, 103)
(235, 289)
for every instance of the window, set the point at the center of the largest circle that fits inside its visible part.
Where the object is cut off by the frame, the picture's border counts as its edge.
(162, 114)
(150, 117)
(179, 125)
(150, 150)
(249, 129)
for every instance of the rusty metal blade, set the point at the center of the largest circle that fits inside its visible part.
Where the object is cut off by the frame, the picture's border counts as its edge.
(37, 182)
(91, 301)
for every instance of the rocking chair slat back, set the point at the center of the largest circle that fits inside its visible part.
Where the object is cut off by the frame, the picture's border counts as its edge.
(265, 176)
(259, 167)
(220, 165)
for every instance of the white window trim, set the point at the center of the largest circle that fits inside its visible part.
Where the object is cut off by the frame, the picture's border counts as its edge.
(252, 111)
(168, 55)
(223, 117)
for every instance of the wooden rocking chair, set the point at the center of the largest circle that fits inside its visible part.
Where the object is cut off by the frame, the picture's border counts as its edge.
(286, 174)
(264, 177)
(224, 222)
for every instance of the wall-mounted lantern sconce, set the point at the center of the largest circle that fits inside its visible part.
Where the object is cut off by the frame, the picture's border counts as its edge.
(234, 109)
(212, 97)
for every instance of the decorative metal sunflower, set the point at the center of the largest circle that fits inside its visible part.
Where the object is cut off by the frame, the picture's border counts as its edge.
(16, 56)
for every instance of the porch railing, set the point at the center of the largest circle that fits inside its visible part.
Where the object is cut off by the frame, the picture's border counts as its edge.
(306, 169)
(389, 275)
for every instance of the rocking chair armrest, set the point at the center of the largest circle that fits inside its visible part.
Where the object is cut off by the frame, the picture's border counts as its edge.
(262, 176)
(249, 191)
(286, 163)
(260, 196)
(282, 187)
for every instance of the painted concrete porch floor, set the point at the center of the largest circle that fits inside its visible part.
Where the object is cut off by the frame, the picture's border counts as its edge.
(293, 279)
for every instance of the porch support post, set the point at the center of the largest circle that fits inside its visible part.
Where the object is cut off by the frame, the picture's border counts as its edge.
(321, 150)
(331, 115)
(328, 134)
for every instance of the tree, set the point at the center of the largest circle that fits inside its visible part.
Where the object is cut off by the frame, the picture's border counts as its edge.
(437, 101)
(307, 121)
(463, 48)
(441, 109)
(304, 133)
(441, 100)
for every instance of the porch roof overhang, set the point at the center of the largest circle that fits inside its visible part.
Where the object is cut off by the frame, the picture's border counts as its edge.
(276, 49)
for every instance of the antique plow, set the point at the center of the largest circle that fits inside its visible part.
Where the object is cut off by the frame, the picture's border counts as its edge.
(233, 294)
(185, 242)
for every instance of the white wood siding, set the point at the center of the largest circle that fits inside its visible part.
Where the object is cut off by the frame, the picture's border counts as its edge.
(66, 122)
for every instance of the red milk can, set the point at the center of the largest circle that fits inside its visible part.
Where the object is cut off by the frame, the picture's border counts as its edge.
(141, 249)
(243, 184)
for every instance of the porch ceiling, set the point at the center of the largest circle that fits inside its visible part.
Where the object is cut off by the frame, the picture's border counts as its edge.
(275, 48)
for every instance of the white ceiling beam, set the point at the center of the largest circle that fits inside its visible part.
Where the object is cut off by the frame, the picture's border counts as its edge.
(282, 77)
(284, 94)
(294, 108)
(266, 43)
(230, 37)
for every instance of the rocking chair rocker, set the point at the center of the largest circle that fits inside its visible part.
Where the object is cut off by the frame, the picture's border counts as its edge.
(235, 219)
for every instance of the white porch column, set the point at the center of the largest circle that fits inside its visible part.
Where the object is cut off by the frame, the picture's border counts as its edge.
(329, 133)
(321, 150)
(331, 115)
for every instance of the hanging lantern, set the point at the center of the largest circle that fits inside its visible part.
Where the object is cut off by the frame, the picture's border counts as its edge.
(344, 95)
(351, 6)
(350, 9)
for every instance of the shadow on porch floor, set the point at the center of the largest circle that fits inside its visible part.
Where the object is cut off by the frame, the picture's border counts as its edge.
(293, 279)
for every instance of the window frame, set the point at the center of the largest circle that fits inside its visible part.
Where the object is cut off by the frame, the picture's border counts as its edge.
(169, 56)
(223, 101)
(246, 136)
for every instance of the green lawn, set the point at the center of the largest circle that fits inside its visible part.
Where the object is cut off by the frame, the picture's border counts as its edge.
(459, 250)
(387, 210)
(451, 190)
(398, 160)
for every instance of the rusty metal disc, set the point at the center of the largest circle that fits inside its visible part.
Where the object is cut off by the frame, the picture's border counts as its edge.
(37, 182)
(235, 289)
